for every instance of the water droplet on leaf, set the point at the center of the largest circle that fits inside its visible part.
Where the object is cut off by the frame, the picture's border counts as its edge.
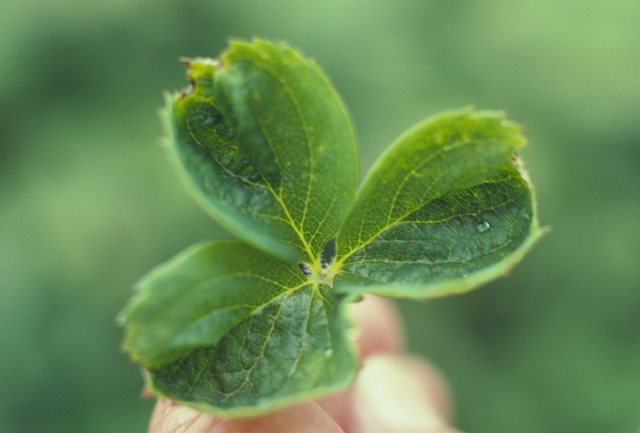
(483, 227)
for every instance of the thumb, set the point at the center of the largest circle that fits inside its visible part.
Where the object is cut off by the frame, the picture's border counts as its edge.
(309, 417)
(399, 394)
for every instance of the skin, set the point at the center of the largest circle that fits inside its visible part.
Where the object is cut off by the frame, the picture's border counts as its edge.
(394, 392)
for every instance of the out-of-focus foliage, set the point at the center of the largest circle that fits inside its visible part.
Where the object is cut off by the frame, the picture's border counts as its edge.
(89, 202)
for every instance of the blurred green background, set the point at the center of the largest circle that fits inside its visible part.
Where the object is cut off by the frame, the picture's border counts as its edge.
(89, 203)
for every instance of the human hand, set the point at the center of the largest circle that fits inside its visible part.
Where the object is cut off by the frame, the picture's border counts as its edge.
(394, 392)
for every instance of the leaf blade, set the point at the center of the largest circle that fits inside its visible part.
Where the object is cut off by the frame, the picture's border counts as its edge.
(282, 114)
(267, 381)
(208, 277)
(427, 238)
(286, 339)
(431, 255)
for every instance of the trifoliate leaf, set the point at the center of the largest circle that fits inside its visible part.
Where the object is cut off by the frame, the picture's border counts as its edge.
(267, 148)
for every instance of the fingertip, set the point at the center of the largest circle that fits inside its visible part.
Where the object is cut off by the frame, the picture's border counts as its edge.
(378, 325)
(396, 394)
(434, 384)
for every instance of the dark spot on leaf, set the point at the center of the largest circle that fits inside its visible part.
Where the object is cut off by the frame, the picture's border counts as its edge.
(328, 253)
(305, 268)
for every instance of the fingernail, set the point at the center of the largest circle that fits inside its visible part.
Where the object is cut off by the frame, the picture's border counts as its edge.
(390, 397)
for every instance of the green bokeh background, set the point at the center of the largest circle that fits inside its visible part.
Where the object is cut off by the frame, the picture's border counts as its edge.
(89, 202)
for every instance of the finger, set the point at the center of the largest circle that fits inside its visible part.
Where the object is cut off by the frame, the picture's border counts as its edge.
(309, 417)
(378, 325)
(339, 407)
(398, 394)
(379, 330)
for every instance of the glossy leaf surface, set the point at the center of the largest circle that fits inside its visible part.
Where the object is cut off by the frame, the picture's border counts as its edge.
(443, 210)
(229, 329)
(268, 147)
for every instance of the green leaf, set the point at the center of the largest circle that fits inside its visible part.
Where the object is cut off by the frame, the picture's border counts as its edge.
(226, 328)
(444, 210)
(267, 146)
